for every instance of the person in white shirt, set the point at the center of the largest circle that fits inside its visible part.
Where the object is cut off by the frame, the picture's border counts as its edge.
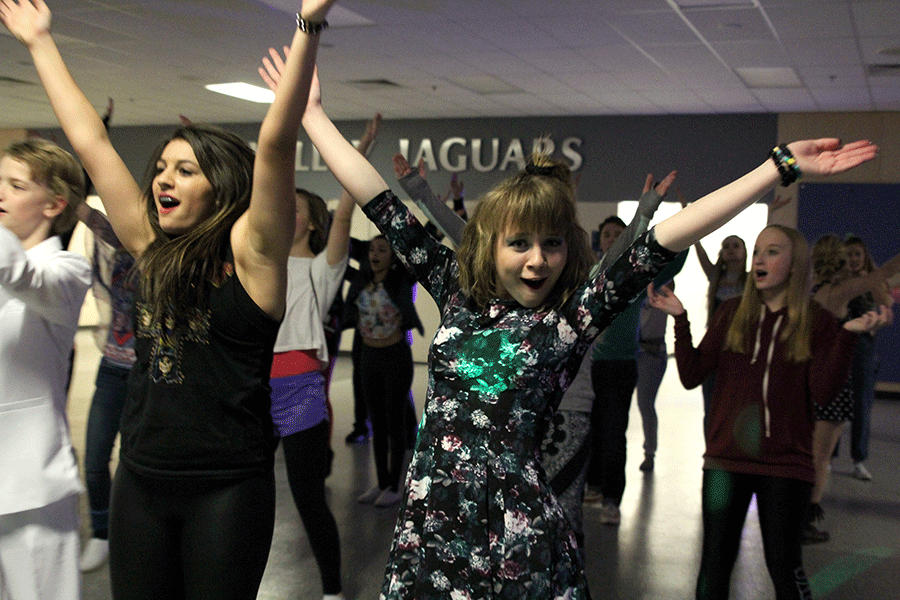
(42, 288)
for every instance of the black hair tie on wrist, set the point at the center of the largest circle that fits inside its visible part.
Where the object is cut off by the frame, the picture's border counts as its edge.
(533, 169)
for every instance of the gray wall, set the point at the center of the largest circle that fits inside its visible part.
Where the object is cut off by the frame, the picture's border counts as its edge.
(616, 152)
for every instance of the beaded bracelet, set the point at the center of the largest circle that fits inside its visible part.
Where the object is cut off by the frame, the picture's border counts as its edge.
(311, 27)
(786, 164)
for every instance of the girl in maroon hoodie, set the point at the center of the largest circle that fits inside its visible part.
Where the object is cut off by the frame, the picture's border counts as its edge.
(775, 353)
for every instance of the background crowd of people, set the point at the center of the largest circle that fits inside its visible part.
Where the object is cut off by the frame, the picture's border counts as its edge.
(222, 279)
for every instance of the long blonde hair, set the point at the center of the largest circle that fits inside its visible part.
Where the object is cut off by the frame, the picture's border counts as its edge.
(540, 198)
(795, 334)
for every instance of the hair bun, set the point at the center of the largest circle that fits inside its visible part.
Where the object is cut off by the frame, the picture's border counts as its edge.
(533, 169)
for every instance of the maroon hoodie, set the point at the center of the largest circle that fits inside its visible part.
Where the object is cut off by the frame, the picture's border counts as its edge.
(761, 416)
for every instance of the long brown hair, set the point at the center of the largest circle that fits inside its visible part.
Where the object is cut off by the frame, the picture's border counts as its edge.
(795, 334)
(540, 198)
(176, 270)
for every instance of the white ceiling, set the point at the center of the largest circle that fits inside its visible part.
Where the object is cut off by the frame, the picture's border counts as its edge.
(560, 57)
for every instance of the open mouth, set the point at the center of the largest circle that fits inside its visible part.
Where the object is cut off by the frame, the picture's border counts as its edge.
(167, 203)
(534, 284)
(760, 274)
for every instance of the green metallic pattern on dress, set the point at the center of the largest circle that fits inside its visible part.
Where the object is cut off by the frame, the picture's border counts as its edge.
(478, 518)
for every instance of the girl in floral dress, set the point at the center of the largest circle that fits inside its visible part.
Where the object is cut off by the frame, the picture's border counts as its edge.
(518, 312)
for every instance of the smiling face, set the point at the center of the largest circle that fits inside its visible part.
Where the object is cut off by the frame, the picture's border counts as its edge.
(529, 265)
(27, 207)
(182, 193)
(772, 258)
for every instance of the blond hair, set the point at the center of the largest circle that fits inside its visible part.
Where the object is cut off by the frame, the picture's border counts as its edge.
(540, 198)
(58, 171)
(795, 334)
(829, 260)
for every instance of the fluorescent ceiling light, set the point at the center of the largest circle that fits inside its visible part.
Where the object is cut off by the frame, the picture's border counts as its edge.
(244, 91)
(769, 77)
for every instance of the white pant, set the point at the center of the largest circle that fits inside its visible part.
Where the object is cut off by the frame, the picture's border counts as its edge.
(39, 553)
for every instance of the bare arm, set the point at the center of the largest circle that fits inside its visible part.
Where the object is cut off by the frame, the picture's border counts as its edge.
(705, 263)
(817, 157)
(352, 170)
(261, 238)
(29, 21)
(339, 235)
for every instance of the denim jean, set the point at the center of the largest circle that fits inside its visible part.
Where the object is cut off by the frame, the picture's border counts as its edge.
(105, 415)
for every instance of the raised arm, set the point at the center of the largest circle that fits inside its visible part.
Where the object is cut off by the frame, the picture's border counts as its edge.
(435, 209)
(261, 238)
(816, 157)
(29, 21)
(651, 197)
(339, 235)
(352, 170)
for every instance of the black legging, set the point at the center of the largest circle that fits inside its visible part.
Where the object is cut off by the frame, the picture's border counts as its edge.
(781, 505)
(386, 375)
(182, 540)
(306, 458)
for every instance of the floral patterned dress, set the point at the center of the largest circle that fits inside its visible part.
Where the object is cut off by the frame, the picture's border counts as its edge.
(478, 518)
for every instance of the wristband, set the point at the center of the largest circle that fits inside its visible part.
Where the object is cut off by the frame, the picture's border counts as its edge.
(786, 163)
(311, 27)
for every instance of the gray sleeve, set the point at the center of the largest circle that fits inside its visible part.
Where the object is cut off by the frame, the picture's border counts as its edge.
(647, 205)
(443, 217)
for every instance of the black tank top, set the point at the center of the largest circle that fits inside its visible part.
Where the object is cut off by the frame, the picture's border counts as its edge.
(198, 395)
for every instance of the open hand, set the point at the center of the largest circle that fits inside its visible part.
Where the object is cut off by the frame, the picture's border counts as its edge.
(401, 166)
(273, 67)
(826, 156)
(871, 321)
(25, 19)
(665, 300)
(662, 187)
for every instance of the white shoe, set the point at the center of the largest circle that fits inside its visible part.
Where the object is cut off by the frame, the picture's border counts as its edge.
(861, 472)
(370, 495)
(610, 514)
(388, 498)
(94, 555)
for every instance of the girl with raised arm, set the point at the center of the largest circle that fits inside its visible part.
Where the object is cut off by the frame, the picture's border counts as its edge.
(518, 313)
(192, 507)
(776, 354)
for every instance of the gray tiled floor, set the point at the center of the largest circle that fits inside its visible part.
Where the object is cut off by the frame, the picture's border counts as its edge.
(654, 553)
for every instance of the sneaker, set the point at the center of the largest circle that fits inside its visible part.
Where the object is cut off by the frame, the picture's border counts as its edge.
(370, 495)
(94, 555)
(647, 465)
(388, 497)
(610, 514)
(861, 472)
(357, 436)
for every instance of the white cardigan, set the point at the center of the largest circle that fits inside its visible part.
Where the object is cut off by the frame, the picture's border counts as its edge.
(41, 293)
